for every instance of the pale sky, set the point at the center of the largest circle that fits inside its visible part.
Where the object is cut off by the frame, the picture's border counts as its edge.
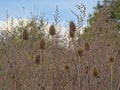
(38, 7)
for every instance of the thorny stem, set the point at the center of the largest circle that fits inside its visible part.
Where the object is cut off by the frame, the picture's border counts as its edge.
(87, 82)
(95, 84)
(79, 80)
(42, 57)
(111, 76)
(43, 76)
(24, 46)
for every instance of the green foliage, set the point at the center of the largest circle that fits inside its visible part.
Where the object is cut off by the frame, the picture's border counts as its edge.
(114, 6)
(115, 9)
(93, 17)
(101, 19)
(35, 26)
(87, 33)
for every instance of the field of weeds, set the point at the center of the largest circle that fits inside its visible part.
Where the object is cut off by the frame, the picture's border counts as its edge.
(31, 59)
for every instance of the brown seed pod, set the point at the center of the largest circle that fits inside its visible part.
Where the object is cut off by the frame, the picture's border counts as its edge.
(42, 44)
(111, 59)
(86, 46)
(38, 84)
(108, 45)
(25, 35)
(13, 77)
(72, 26)
(67, 67)
(80, 51)
(52, 30)
(37, 60)
(96, 72)
(43, 88)
(72, 34)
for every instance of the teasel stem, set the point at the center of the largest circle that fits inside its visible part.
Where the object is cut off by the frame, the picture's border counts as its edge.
(42, 70)
(42, 56)
(87, 76)
(87, 82)
(87, 73)
(79, 79)
(111, 76)
(52, 39)
(69, 43)
(95, 79)
(25, 45)
(45, 76)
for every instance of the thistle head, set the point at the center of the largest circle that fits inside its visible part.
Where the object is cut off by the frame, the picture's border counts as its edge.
(67, 67)
(96, 72)
(86, 46)
(37, 60)
(25, 35)
(72, 26)
(111, 59)
(80, 51)
(71, 34)
(72, 30)
(42, 44)
(52, 30)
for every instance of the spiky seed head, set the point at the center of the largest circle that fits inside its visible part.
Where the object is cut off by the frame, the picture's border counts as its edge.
(108, 45)
(80, 51)
(96, 72)
(37, 60)
(71, 34)
(42, 44)
(38, 84)
(111, 59)
(72, 26)
(43, 88)
(52, 30)
(67, 67)
(25, 35)
(86, 46)
(13, 77)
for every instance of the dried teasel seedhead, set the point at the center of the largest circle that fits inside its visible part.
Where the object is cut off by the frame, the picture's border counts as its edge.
(72, 26)
(13, 77)
(111, 59)
(86, 46)
(42, 44)
(43, 88)
(37, 60)
(80, 51)
(52, 30)
(71, 34)
(67, 67)
(25, 35)
(108, 45)
(38, 84)
(96, 72)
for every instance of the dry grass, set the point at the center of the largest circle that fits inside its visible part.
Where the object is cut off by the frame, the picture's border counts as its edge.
(62, 68)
